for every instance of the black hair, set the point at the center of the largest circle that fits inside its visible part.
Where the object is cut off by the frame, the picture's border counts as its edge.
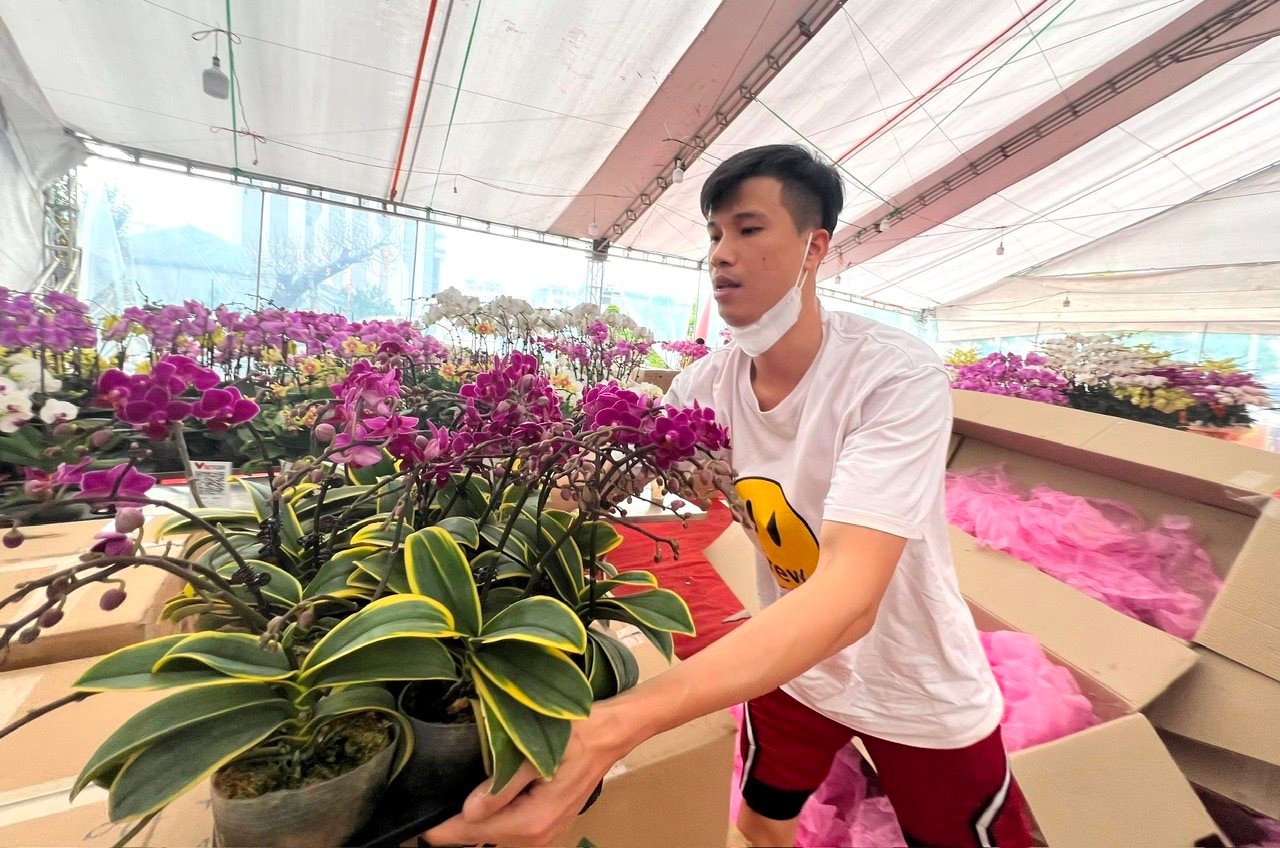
(811, 189)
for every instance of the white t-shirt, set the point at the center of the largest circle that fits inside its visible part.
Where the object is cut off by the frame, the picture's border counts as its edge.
(861, 440)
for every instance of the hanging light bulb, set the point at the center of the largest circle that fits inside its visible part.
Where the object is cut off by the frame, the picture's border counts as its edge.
(1066, 301)
(837, 280)
(593, 229)
(1000, 248)
(215, 81)
(677, 175)
(884, 225)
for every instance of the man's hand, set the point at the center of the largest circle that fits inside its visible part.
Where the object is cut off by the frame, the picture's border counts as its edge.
(534, 812)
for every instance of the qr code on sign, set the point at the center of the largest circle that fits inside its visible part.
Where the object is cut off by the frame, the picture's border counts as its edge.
(211, 479)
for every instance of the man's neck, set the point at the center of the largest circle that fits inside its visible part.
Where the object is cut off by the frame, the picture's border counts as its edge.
(777, 371)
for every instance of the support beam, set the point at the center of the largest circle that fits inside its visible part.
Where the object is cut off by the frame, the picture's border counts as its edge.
(744, 45)
(1202, 39)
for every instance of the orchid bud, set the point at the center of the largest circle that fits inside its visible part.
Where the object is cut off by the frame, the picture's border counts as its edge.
(14, 538)
(52, 453)
(111, 599)
(307, 617)
(65, 429)
(100, 438)
(50, 618)
(316, 475)
(37, 490)
(325, 433)
(29, 635)
(129, 519)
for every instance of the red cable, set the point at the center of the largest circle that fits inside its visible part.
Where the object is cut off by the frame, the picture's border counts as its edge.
(1221, 127)
(413, 98)
(940, 82)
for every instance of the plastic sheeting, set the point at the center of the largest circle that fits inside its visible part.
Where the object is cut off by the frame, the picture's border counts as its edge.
(522, 103)
(34, 152)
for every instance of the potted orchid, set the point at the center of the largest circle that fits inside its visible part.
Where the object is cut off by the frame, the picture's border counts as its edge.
(418, 544)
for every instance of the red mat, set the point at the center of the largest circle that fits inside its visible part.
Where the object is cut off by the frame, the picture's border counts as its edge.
(692, 576)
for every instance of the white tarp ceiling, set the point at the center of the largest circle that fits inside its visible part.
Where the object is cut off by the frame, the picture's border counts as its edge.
(554, 115)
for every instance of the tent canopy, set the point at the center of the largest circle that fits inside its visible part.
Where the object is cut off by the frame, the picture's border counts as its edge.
(991, 152)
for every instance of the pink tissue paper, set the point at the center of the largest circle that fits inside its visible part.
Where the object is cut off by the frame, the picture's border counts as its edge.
(1159, 575)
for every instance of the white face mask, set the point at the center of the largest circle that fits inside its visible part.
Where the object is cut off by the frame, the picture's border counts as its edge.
(762, 334)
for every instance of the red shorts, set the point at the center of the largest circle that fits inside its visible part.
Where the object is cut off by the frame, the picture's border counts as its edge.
(963, 796)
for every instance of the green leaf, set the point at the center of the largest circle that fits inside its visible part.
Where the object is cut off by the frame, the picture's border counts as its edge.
(543, 679)
(539, 620)
(439, 569)
(564, 569)
(514, 545)
(174, 715)
(504, 756)
(375, 565)
(245, 544)
(291, 531)
(232, 654)
(389, 494)
(397, 658)
(331, 579)
(178, 525)
(341, 497)
(499, 598)
(130, 669)
(542, 739)
(164, 771)
(507, 567)
(660, 609)
(601, 534)
(283, 587)
(382, 535)
(387, 618)
(464, 530)
(260, 494)
(610, 657)
(627, 579)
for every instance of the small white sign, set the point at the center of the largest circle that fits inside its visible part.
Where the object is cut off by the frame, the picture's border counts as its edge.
(212, 481)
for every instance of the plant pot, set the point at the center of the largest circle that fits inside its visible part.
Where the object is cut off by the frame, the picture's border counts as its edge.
(446, 758)
(320, 816)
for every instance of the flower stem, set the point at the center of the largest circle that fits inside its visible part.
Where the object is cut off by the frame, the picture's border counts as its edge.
(181, 442)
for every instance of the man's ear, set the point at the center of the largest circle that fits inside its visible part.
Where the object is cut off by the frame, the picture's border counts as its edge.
(818, 248)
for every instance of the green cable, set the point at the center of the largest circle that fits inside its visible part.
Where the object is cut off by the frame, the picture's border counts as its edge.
(231, 59)
(812, 144)
(937, 125)
(457, 94)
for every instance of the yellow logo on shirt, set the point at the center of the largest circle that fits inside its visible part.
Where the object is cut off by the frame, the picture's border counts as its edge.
(789, 545)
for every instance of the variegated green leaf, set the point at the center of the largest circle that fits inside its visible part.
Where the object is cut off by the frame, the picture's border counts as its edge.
(439, 569)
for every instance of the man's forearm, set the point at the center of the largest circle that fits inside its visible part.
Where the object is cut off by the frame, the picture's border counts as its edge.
(832, 610)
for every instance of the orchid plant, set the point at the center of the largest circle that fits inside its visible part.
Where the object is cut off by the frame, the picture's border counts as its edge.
(425, 516)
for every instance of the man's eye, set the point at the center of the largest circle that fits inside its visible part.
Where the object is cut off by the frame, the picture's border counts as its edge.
(714, 239)
(746, 231)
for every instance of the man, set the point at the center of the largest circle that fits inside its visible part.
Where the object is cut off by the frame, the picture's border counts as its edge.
(839, 430)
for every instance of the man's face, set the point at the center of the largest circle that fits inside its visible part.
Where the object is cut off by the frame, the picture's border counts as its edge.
(755, 251)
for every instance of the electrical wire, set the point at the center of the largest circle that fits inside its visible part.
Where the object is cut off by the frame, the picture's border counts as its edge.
(413, 97)
(466, 57)
(931, 89)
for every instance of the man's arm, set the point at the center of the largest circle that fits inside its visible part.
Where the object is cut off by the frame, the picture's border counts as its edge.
(829, 612)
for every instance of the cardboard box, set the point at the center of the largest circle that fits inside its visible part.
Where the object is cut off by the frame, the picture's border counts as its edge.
(1225, 488)
(660, 377)
(86, 629)
(1222, 725)
(684, 773)
(53, 540)
(1113, 784)
(673, 789)
(42, 759)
